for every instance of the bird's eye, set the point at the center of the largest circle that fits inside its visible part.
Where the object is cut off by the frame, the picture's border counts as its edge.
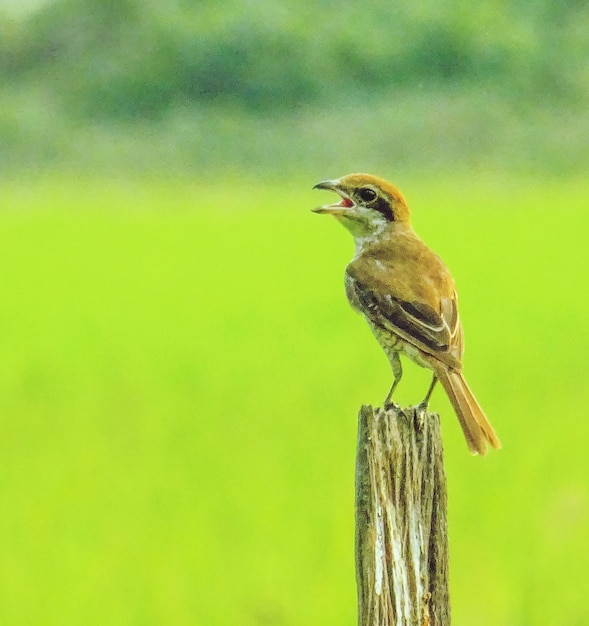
(367, 194)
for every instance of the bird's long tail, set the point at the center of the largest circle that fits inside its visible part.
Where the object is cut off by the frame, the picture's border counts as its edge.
(476, 427)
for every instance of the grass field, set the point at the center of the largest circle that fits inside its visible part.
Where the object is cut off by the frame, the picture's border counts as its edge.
(179, 381)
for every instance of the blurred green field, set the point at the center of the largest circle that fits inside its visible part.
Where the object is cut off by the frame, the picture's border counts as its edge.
(179, 380)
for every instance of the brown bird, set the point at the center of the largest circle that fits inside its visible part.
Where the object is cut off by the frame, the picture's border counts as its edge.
(406, 294)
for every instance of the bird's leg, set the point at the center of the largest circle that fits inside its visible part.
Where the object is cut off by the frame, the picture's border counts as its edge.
(397, 374)
(422, 406)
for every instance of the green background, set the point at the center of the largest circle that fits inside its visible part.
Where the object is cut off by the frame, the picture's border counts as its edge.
(180, 373)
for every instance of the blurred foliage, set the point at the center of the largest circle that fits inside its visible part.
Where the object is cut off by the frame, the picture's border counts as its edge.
(132, 59)
(274, 88)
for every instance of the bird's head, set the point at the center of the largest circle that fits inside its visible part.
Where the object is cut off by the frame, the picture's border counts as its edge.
(367, 205)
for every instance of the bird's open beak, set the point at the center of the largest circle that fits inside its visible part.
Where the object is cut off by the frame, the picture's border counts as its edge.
(332, 185)
(335, 209)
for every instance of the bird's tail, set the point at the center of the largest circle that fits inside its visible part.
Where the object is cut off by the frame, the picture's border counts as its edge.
(476, 427)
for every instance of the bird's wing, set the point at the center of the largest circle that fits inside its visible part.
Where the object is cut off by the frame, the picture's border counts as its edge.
(418, 323)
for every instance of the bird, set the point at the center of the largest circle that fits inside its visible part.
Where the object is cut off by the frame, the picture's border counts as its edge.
(407, 295)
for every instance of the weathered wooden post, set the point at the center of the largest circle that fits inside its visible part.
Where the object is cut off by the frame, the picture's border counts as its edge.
(401, 523)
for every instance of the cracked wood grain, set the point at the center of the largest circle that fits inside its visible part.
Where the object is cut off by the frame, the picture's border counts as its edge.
(401, 523)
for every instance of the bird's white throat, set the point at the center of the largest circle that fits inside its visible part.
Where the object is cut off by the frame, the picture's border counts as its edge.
(362, 241)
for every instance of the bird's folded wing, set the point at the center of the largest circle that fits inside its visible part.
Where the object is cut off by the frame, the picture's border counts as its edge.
(415, 322)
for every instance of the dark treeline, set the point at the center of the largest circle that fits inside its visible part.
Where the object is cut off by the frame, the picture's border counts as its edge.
(132, 59)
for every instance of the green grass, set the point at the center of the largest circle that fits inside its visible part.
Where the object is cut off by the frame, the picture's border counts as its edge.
(179, 383)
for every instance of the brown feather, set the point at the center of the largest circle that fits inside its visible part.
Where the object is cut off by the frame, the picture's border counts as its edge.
(406, 293)
(477, 429)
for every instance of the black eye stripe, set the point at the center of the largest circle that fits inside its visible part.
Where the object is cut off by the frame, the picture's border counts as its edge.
(383, 206)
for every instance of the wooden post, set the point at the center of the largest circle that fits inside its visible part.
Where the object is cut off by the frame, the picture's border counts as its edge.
(401, 524)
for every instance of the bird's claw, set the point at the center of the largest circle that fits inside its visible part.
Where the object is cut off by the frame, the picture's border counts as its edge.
(390, 405)
(422, 407)
(420, 414)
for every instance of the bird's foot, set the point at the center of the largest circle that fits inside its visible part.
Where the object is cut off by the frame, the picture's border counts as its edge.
(422, 407)
(389, 405)
(420, 414)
